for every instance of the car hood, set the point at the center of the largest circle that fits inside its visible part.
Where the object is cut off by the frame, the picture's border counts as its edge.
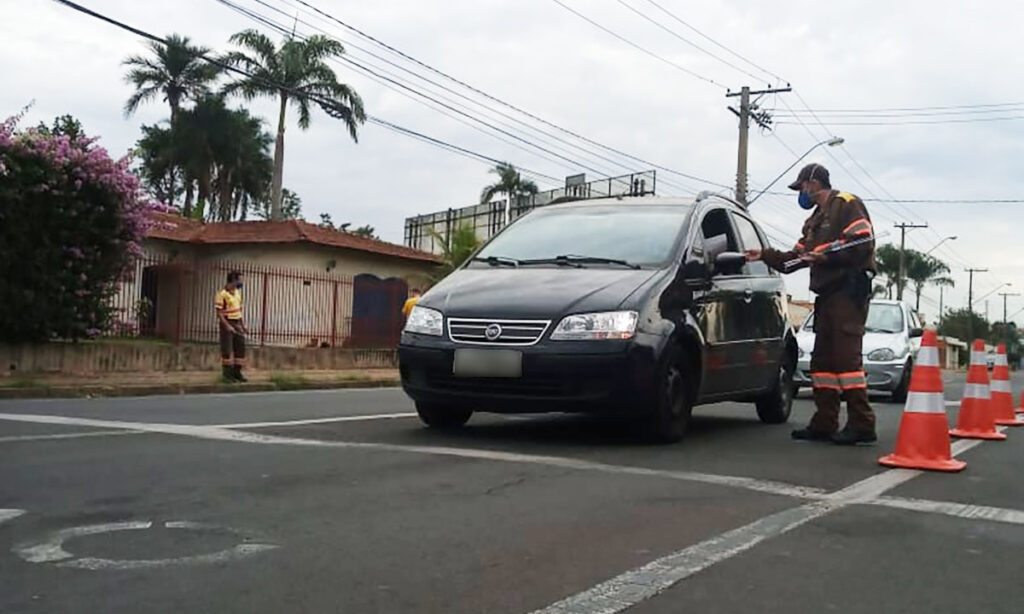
(534, 292)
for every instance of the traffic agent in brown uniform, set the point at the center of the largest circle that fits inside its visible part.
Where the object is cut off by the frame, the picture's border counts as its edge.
(838, 244)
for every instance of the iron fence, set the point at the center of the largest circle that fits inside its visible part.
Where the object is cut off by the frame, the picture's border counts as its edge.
(429, 232)
(174, 300)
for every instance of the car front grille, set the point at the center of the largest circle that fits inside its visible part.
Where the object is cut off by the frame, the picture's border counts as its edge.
(496, 332)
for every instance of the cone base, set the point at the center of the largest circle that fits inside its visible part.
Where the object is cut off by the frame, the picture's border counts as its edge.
(901, 462)
(1020, 411)
(1010, 422)
(968, 434)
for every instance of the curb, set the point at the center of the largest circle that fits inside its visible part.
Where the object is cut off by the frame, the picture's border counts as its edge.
(76, 392)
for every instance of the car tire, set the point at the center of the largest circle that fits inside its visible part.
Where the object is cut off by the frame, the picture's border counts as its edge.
(440, 416)
(900, 394)
(670, 418)
(776, 406)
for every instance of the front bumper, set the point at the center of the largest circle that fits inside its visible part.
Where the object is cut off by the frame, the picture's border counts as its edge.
(603, 376)
(882, 376)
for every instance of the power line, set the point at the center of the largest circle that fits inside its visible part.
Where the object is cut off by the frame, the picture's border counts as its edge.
(499, 101)
(687, 41)
(930, 108)
(713, 41)
(638, 47)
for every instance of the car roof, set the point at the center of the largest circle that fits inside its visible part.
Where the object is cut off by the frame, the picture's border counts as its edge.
(631, 201)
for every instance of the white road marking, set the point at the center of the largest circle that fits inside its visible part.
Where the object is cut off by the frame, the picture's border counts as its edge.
(951, 508)
(17, 438)
(361, 418)
(632, 587)
(51, 549)
(223, 434)
(6, 515)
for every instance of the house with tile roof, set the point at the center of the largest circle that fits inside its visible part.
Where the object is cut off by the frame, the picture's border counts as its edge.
(304, 285)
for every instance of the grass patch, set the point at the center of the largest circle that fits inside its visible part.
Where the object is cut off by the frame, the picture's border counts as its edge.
(288, 382)
(24, 383)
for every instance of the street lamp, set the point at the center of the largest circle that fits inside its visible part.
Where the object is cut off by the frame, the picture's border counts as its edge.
(1000, 287)
(832, 142)
(949, 238)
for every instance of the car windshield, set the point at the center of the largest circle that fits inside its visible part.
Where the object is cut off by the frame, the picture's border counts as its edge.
(882, 318)
(588, 235)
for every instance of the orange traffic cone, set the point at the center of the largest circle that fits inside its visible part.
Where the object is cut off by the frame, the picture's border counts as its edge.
(1020, 410)
(1001, 392)
(923, 442)
(977, 421)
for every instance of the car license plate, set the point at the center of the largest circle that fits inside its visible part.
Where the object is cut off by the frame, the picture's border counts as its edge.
(487, 363)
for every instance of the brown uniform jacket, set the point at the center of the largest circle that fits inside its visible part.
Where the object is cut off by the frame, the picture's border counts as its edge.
(841, 220)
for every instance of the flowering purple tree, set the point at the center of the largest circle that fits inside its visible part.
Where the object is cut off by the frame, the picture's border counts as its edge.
(71, 222)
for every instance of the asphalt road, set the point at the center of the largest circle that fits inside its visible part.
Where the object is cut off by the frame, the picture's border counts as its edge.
(341, 502)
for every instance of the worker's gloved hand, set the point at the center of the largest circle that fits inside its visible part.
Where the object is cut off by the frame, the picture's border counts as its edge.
(752, 255)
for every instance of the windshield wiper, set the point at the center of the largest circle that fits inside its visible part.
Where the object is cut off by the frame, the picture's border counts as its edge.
(595, 260)
(499, 260)
(875, 329)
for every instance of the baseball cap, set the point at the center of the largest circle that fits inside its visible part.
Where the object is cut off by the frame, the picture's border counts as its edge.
(813, 171)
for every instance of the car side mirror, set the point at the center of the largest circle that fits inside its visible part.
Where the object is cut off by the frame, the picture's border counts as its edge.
(729, 263)
(695, 273)
(916, 332)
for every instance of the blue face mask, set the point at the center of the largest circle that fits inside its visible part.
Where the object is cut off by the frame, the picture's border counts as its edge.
(805, 200)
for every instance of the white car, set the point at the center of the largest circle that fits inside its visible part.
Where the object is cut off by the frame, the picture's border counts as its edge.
(892, 336)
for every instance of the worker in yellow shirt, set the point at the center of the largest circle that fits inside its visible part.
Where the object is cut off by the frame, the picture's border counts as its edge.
(232, 328)
(414, 297)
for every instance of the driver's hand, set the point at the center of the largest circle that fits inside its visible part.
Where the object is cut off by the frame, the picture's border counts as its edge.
(752, 254)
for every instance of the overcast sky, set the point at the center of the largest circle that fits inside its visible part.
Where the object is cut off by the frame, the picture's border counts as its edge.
(541, 57)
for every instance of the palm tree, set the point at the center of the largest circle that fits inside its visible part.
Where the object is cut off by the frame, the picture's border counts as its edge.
(296, 73)
(921, 269)
(455, 250)
(175, 70)
(510, 183)
(888, 258)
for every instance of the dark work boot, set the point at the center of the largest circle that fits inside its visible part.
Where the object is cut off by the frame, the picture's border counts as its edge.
(808, 434)
(852, 437)
(237, 373)
(228, 374)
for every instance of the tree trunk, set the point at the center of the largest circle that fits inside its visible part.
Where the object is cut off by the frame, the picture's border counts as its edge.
(275, 202)
(189, 194)
(226, 209)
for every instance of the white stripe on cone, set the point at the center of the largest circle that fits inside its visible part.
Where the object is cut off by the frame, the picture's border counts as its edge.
(1001, 361)
(976, 391)
(928, 356)
(925, 402)
(979, 358)
(1000, 385)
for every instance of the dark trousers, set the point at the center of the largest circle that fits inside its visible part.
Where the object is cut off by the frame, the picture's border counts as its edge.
(837, 366)
(232, 347)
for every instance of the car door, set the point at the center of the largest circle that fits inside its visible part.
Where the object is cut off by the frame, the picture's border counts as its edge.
(719, 310)
(763, 308)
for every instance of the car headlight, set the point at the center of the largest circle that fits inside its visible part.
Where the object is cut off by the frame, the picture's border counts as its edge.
(882, 354)
(606, 325)
(425, 321)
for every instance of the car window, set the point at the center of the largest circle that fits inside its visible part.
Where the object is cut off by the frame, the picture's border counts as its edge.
(717, 234)
(751, 240)
(884, 318)
(645, 235)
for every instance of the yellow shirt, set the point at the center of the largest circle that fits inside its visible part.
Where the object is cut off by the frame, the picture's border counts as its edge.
(230, 303)
(409, 304)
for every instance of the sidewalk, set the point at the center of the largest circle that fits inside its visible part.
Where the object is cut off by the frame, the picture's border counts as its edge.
(186, 382)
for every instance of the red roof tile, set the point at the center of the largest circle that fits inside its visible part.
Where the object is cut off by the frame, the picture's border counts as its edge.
(176, 228)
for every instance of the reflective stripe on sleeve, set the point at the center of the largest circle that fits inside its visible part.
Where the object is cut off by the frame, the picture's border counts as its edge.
(926, 402)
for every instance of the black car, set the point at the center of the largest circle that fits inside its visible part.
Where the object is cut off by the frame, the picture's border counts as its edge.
(642, 306)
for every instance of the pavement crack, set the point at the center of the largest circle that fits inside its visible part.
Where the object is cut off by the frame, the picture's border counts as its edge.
(506, 485)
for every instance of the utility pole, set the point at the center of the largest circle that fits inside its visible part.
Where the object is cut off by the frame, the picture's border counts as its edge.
(749, 111)
(970, 303)
(1006, 324)
(941, 288)
(903, 245)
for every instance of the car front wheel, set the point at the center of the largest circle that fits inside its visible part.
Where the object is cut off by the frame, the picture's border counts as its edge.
(670, 417)
(899, 395)
(775, 406)
(442, 416)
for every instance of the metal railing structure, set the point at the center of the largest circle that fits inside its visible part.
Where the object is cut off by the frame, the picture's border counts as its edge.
(174, 300)
(429, 232)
